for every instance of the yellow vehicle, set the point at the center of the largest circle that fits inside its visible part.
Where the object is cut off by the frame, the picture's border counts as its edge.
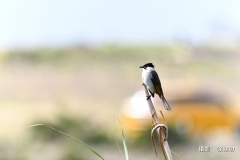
(197, 113)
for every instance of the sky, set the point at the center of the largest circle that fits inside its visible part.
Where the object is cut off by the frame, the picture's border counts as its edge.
(29, 23)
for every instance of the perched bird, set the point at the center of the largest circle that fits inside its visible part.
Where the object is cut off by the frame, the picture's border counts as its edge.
(151, 80)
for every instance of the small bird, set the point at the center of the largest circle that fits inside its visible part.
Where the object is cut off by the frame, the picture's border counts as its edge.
(151, 80)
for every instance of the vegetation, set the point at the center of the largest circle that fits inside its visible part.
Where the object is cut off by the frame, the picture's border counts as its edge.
(61, 87)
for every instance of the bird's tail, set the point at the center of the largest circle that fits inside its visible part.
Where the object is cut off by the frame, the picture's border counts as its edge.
(165, 104)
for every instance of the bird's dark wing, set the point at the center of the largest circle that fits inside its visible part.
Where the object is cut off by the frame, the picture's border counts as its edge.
(156, 82)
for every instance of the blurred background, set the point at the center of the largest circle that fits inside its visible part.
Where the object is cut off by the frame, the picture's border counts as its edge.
(73, 64)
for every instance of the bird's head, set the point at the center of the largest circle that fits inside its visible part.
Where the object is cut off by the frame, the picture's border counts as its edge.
(147, 66)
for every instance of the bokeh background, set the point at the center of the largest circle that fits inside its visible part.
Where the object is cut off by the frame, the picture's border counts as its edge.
(73, 64)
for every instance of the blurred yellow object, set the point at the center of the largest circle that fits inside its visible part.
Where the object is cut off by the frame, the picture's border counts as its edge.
(198, 113)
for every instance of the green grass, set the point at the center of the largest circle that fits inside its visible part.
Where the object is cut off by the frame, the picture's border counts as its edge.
(50, 133)
(79, 127)
(180, 59)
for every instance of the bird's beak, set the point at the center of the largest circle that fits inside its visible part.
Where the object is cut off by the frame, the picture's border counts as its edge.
(141, 67)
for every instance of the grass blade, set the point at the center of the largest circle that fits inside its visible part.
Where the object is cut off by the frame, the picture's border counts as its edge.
(91, 149)
(124, 140)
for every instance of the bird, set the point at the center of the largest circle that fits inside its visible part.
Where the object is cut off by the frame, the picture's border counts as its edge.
(152, 82)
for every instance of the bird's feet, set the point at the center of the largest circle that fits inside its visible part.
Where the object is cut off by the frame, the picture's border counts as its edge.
(148, 97)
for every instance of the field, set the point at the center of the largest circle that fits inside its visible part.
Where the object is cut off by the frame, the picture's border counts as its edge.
(78, 89)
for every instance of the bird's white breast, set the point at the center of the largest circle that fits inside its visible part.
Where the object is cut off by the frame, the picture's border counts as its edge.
(147, 79)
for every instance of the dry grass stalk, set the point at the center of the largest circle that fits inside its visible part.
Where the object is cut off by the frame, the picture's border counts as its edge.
(159, 127)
